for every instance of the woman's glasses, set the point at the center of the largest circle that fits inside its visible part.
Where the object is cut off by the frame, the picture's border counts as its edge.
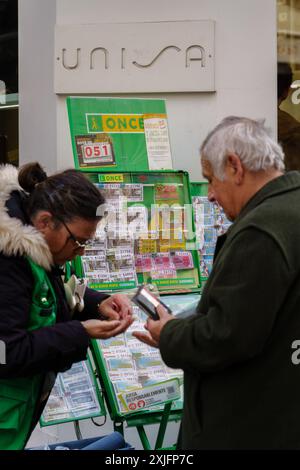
(79, 245)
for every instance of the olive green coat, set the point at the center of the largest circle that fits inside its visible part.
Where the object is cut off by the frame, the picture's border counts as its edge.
(242, 390)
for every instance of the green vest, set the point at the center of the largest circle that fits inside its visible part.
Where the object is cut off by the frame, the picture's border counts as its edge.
(20, 397)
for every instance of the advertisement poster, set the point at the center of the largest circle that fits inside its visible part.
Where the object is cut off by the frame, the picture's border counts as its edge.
(119, 134)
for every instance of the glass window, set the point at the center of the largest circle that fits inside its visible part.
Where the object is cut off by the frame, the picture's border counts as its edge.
(9, 138)
(288, 80)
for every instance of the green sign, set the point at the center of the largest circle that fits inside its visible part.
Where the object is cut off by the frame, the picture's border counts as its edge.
(119, 134)
(174, 282)
(113, 285)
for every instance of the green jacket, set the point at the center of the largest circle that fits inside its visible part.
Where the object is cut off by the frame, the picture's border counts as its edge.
(20, 396)
(241, 387)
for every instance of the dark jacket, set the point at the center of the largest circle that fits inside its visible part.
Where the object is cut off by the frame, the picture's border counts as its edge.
(241, 387)
(49, 349)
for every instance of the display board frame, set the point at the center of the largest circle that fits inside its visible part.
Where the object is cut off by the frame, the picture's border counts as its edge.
(98, 392)
(166, 412)
(188, 280)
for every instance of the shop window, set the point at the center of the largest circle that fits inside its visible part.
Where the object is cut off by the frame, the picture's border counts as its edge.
(9, 113)
(288, 80)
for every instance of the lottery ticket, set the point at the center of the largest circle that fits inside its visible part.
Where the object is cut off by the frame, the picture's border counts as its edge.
(137, 220)
(161, 261)
(147, 246)
(114, 342)
(182, 259)
(124, 253)
(133, 192)
(166, 192)
(206, 262)
(143, 263)
(164, 274)
(210, 235)
(98, 277)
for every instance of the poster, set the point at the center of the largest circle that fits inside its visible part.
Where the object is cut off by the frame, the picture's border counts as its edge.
(119, 134)
(157, 142)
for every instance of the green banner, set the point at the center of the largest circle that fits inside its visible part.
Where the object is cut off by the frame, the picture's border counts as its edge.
(119, 134)
(113, 285)
(173, 282)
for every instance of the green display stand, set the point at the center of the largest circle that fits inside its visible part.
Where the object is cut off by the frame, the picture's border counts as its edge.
(199, 188)
(170, 411)
(169, 188)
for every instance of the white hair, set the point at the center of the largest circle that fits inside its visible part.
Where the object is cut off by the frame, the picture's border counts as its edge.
(248, 139)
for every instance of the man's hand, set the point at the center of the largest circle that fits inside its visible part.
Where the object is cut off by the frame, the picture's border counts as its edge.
(154, 327)
(103, 329)
(116, 307)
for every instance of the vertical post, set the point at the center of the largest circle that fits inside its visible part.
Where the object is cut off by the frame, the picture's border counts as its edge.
(163, 426)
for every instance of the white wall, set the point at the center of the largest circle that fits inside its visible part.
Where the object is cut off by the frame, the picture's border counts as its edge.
(245, 71)
(37, 112)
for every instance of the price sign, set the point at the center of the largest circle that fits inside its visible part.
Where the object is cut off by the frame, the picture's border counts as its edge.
(97, 152)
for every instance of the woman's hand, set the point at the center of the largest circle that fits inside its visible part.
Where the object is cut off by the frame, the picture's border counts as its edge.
(116, 307)
(103, 329)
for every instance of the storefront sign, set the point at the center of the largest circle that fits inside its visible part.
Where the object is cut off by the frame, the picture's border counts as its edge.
(135, 57)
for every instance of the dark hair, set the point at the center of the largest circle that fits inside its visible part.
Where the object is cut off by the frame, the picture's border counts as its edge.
(284, 78)
(66, 195)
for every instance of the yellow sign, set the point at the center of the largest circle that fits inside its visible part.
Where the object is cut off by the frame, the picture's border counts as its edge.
(127, 123)
(118, 178)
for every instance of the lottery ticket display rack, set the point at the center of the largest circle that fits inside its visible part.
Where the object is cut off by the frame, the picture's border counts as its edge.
(75, 396)
(169, 410)
(146, 237)
(210, 222)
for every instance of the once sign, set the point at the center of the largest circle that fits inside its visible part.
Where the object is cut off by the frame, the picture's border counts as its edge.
(135, 57)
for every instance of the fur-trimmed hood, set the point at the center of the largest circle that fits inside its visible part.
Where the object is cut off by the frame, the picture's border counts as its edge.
(17, 239)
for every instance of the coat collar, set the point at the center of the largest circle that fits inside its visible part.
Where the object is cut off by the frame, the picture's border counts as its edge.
(16, 238)
(287, 182)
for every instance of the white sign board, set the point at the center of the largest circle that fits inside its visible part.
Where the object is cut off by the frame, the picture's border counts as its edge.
(135, 57)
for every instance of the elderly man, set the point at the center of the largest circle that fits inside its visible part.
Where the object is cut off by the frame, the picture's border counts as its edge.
(242, 388)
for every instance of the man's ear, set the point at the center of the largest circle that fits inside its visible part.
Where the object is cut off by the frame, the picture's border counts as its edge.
(43, 221)
(235, 168)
